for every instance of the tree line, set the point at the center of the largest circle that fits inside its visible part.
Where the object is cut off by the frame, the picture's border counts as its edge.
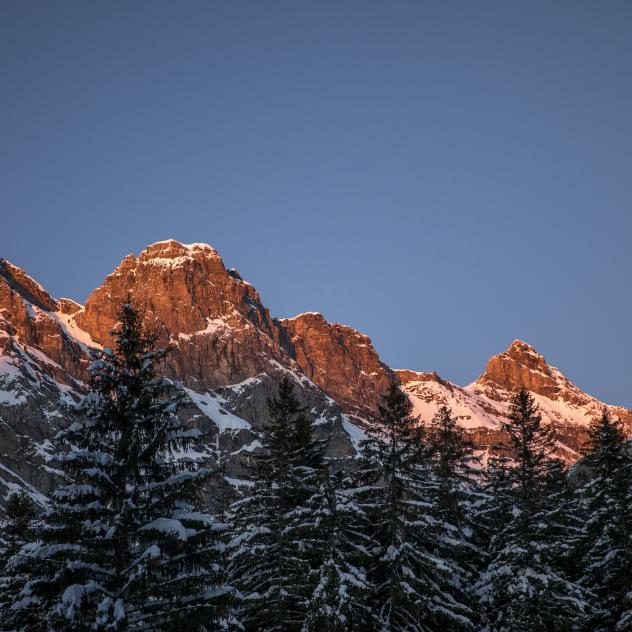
(418, 536)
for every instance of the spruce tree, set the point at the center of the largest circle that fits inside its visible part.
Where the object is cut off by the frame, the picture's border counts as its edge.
(126, 544)
(275, 546)
(414, 585)
(342, 600)
(457, 500)
(524, 586)
(605, 557)
(16, 530)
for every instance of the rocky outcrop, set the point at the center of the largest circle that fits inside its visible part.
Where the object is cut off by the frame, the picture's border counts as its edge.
(522, 366)
(41, 372)
(24, 286)
(341, 361)
(215, 322)
(406, 376)
(481, 405)
(30, 324)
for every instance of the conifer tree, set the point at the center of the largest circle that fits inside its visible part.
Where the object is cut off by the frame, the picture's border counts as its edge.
(16, 530)
(457, 500)
(606, 500)
(452, 459)
(524, 586)
(275, 546)
(414, 585)
(126, 545)
(342, 600)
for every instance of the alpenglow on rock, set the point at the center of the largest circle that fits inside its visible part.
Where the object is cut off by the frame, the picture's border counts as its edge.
(230, 353)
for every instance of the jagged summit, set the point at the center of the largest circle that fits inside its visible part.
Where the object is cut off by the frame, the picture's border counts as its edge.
(520, 346)
(171, 251)
(221, 331)
(340, 360)
(27, 287)
(313, 315)
(521, 365)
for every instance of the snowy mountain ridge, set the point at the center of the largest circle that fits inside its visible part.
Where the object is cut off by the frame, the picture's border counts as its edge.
(229, 353)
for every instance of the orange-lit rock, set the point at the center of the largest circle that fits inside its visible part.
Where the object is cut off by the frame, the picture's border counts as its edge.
(341, 361)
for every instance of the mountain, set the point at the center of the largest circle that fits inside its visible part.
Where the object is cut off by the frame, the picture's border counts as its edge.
(341, 361)
(229, 353)
(226, 351)
(481, 404)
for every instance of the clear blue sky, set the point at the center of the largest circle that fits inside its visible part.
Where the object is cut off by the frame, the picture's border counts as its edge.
(444, 176)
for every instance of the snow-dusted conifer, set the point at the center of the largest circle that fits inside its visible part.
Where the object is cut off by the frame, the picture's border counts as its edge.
(275, 547)
(524, 586)
(342, 600)
(414, 585)
(16, 530)
(457, 500)
(125, 545)
(605, 557)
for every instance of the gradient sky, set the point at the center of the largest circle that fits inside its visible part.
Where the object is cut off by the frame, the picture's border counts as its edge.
(444, 176)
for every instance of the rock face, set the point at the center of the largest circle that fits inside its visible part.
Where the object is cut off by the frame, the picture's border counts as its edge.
(341, 361)
(222, 334)
(220, 331)
(522, 365)
(480, 405)
(225, 349)
(560, 399)
(41, 368)
(230, 354)
(30, 323)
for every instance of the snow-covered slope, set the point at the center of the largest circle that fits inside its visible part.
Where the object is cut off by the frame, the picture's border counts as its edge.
(480, 405)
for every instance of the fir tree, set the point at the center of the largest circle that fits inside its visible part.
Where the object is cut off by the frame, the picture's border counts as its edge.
(342, 600)
(606, 503)
(457, 501)
(16, 530)
(524, 586)
(126, 545)
(414, 585)
(275, 546)
(452, 459)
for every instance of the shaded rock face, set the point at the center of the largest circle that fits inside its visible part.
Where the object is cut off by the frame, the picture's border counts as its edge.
(215, 322)
(341, 361)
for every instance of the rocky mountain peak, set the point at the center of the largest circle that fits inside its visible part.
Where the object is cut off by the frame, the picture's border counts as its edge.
(220, 330)
(340, 360)
(406, 376)
(521, 347)
(521, 365)
(229, 352)
(172, 252)
(30, 328)
(22, 284)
